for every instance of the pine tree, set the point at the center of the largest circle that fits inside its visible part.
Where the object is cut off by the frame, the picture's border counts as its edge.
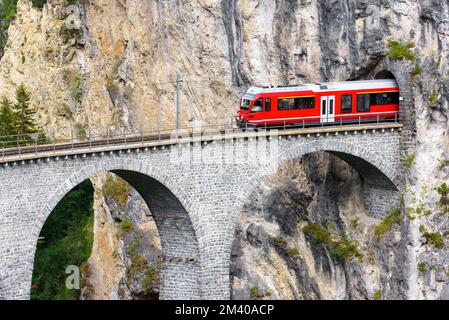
(7, 122)
(24, 122)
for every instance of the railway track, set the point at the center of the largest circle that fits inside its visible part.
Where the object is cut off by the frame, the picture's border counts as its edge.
(82, 145)
(12, 153)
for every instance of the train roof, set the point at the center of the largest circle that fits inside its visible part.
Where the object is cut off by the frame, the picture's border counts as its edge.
(327, 86)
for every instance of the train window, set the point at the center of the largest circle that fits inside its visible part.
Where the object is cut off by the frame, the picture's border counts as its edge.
(257, 107)
(245, 104)
(363, 102)
(346, 103)
(395, 97)
(296, 103)
(286, 104)
(268, 104)
(384, 98)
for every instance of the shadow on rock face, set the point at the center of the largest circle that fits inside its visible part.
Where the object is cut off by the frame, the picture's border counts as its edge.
(272, 254)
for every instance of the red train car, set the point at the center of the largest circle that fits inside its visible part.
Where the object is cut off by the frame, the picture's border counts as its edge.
(319, 104)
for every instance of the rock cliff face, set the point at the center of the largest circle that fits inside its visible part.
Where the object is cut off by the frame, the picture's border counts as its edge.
(113, 63)
(274, 257)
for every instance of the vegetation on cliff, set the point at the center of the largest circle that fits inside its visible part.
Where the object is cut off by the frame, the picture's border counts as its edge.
(67, 239)
(342, 248)
(39, 3)
(117, 189)
(399, 51)
(8, 10)
(393, 217)
(17, 118)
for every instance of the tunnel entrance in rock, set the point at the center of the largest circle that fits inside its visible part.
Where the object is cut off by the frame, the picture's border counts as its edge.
(115, 236)
(302, 225)
(375, 71)
(384, 74)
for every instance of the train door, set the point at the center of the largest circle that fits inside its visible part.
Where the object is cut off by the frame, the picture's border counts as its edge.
(256, 113)
(327, 109)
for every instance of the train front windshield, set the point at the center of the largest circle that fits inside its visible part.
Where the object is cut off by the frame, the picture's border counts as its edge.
(246, 101)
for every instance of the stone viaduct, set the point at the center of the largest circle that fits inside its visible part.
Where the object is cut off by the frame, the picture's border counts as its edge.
(195, 188)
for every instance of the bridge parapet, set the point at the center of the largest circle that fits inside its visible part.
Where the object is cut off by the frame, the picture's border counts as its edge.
(140, 142)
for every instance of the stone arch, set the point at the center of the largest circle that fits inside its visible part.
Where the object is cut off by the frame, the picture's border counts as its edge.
(379, 174)
(171, 209)
(400, 72)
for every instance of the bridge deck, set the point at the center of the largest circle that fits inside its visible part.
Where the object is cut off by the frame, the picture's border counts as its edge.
(148, 141)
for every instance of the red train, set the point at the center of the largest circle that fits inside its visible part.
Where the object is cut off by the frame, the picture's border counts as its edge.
(319, 104)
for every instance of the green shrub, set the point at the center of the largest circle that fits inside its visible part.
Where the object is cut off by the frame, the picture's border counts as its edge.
(421, 267)
(344, 249)
(73, 79)
(409, 159)
(433, 238)
(433, 99)
(138, 264)
(354, 223)
(394, 217)
(118, 189)
(80, 132)
(280, 242)
(400, 51)
(377, 295)
(416, 71)
(77, 90)
(330, 225)
(148, 278)
(126, 226)
(255, 293)
(69, 33)
(39, 3)
(132, 247)
(138, 267)
(443, 191)
(421, 210)
(293, 251)
(319, 234)
(65, 111)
